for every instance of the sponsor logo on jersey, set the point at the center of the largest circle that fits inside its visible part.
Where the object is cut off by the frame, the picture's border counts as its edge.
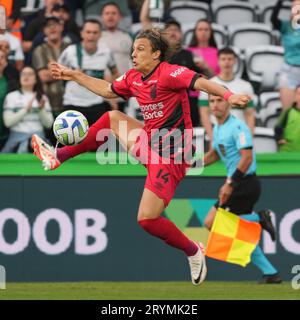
(177, 72)
(152, 107)
(152, 111)
(137, 83)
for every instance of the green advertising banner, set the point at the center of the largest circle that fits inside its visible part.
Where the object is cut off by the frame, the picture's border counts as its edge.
(85, 229)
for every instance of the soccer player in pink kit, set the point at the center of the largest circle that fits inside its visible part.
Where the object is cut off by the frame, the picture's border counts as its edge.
(161, 91)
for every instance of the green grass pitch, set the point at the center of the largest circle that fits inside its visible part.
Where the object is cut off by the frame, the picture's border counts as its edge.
(148, 291)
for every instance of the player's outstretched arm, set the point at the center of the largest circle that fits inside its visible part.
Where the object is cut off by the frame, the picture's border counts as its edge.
(218, 90)
(98, 86)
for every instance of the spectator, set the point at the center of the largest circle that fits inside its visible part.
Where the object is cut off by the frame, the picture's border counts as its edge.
(50, 51)
(183, 57)
(26, 111)
(227, 59)
(71, 32)
(205, 52)
(9, 81)
(289, 77)
(36, 25)
(13, 48)
(62, 11)
(93, 57)
(204, 48)
(91, 7)
(118, 41)
(287, 129)
(13, 12)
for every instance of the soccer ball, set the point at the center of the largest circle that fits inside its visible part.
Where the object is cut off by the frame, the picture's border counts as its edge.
(70, 127)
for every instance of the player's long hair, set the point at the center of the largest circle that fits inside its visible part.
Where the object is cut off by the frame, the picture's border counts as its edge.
(159, 41)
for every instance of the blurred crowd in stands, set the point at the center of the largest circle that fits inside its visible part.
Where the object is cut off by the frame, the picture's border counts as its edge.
(249, 46)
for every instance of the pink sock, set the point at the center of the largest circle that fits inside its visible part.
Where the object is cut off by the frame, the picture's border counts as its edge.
(167, 231)
(89, 143)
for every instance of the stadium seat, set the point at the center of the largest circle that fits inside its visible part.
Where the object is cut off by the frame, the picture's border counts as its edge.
(263, 64)
(258, 122)
(226, 1)
(269, 98)
(187, 26)
(271, 121)
(189, 12)
(220, 34)
(270, 108)
(31, 6)
(137, 27)
(244, 35)
(237, 12)
(258, 2)
(266, 10)
(264, 140)
(177, 3)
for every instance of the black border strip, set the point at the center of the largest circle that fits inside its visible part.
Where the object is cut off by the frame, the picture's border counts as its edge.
(194, 79)
(151, 73)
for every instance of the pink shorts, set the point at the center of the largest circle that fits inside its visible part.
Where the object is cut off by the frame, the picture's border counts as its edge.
(162, 178)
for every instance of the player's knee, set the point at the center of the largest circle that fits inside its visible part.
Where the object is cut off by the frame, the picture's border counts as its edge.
(147, 214)
(142, 216)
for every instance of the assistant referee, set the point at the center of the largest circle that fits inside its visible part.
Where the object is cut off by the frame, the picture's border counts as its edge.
(232, 143)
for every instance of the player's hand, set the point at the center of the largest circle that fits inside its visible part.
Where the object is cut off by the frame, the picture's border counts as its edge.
(60, 72)
(30, 103)
(239, 100)
(225, 193)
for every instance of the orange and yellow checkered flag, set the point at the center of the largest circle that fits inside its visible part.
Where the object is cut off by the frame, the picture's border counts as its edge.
(232, 239)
